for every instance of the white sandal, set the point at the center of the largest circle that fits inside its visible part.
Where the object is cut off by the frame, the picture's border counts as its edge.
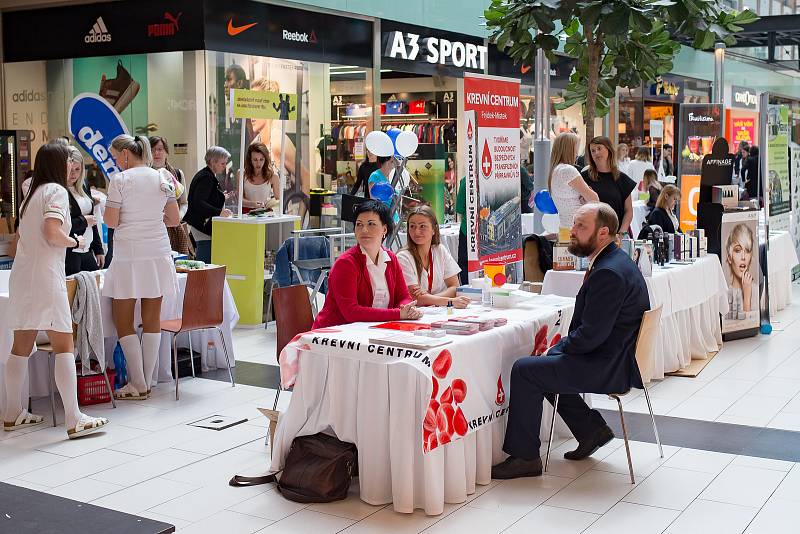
(25, 419)
(86, 426)
(128, 392)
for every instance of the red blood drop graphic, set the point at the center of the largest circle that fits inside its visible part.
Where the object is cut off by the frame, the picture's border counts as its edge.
(429, 423)
(442, 363)
(435, 389)
(469, 130)
(556, 339)
(500, 279)
(447, 396)
(460, 423)
(459, 390)
(431, 442)
(501, 393)
(444, 438)
(486, 159)
(540, 341)
(444, 418)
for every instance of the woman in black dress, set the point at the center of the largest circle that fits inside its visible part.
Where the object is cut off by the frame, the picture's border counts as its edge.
(613, 186)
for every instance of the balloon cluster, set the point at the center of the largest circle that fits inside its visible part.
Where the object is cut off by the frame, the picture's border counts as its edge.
(394, 143)
(544, 202)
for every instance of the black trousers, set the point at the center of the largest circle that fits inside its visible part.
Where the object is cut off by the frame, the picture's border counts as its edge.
(463, 276)
(534, 378)
(75, 262)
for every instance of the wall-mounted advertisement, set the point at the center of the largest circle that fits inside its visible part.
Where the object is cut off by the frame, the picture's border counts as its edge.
(794, 167)
(780, 203)
(496, 164)
(700, 126)
(740, 264)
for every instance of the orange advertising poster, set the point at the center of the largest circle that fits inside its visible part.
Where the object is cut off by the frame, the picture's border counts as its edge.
(743, 129)
(690, 192)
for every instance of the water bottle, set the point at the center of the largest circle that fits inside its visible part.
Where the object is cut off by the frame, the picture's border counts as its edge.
(211, 354)
(486, 293)
(121, 376)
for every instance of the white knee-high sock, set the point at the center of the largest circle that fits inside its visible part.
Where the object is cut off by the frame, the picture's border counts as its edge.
(133, 362)
(67, 383)
(151, 343)
(16, 369)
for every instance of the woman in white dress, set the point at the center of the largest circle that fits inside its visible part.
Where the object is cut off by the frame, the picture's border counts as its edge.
(565, 183)
(38, 293)
(637, 167)
(429, 270)
(140, 202)
(261, 184)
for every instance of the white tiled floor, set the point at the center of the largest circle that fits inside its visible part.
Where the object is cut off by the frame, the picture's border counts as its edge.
(151, 463)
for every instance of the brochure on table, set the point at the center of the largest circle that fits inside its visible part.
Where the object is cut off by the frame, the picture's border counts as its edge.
(492, 162)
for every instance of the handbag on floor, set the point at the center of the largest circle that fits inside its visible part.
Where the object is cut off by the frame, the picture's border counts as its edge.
(318, 468)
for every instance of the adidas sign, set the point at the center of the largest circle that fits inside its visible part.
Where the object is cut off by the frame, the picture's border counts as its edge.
(98, 33)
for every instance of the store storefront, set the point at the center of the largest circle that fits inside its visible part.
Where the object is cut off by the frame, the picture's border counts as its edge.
(741, 116)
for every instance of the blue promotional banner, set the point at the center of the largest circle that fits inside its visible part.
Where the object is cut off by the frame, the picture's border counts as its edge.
(94, 123)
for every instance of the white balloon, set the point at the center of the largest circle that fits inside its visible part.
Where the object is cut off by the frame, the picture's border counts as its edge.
(407, 143)
(379, 144)
(551, 223)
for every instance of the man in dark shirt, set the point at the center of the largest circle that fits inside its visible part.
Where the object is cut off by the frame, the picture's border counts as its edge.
(526, 189)
(598, 355)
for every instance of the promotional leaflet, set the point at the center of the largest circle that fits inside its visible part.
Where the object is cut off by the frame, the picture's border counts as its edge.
(794, 166)
(740, 264)
(700, 126)
(496, 162)
(778, 167)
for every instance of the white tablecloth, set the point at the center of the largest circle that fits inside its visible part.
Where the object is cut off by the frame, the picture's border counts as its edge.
(449, 235)
(528, 223)
(692, 297)
(640, 211)
(170, 309)
(379, 406)
(782, 259)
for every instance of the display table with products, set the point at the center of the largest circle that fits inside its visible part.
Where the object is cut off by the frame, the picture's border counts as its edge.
(782, 259)
(384, 400)
(449, 236)
(692, 296)
(240, 245)
(170, 309)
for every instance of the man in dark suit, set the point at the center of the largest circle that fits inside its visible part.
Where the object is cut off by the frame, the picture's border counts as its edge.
(598, 355)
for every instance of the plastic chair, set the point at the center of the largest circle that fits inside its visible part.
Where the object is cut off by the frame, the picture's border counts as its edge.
(72, 288)
(645, 346)
(202, 310)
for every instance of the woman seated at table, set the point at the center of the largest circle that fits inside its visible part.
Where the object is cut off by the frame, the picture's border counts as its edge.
(366, 282)
(261, 182)
(652, 186)
(664, 212)
(429, 270)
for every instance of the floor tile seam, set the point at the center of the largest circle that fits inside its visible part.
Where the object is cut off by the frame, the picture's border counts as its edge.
(760, 508)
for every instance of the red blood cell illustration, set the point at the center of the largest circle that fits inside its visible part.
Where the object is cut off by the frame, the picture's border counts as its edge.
(459, 390)
(429, 423)
(460, 423)
(442, 363)
(444, 419)
(447, 396)
(556, 339)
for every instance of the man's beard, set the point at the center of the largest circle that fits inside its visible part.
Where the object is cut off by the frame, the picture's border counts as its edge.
(583, 250)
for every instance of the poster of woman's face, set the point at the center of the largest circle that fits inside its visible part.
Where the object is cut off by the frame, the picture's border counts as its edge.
(740, 267)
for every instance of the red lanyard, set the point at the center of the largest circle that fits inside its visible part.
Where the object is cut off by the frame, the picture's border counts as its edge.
(430, 269)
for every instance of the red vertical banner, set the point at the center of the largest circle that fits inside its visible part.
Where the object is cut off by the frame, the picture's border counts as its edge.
(492, 162)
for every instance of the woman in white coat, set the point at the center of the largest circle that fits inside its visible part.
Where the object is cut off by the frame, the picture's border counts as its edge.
(140, 203)
(38, 293)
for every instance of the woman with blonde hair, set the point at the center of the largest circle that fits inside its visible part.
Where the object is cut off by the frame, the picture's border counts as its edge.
(622, 157)
(90, 255)
(261, 183)
(613, 187)
(140, 203)
(664, 213)
(429, 270)
(566, 185)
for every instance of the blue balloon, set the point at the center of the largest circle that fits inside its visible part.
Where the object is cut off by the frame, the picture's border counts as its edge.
(393, 133)
(544, 202)
(382, 191)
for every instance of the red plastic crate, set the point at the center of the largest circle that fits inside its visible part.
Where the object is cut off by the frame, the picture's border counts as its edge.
(92, 388)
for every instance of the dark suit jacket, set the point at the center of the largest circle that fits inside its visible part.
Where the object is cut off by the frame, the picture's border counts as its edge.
(601, 346)
(205, 200)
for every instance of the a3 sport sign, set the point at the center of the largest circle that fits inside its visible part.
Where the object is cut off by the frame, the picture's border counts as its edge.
(94, 123)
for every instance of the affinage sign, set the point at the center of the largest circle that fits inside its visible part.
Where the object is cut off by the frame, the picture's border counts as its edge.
(435, 50)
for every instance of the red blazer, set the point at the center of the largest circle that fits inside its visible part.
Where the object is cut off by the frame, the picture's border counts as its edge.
(349, 298)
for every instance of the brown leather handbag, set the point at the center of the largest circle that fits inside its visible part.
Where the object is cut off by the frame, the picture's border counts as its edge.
(318, 468)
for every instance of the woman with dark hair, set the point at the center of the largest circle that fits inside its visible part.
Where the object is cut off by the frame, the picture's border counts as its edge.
(382, 173)
(262, 186)
(38, 294)
(612, 186)
(159, 146)
(366, 282)
(365, 170)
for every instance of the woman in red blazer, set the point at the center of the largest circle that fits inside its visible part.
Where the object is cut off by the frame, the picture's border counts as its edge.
(366, 282)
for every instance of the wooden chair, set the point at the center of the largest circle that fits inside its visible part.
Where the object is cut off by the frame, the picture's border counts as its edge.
(645, 346)
(202, 310)
(72, 288)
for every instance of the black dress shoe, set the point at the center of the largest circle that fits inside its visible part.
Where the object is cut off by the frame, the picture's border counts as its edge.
(517, 468)
(588, 447)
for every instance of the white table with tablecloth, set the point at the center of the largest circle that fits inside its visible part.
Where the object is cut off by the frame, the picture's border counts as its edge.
(448, 234)
(378, 399)
(781, 260)
(640, 212)
(170, 309)
(692, 297)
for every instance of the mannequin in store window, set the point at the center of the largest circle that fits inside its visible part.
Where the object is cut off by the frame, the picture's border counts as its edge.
(262, 186)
